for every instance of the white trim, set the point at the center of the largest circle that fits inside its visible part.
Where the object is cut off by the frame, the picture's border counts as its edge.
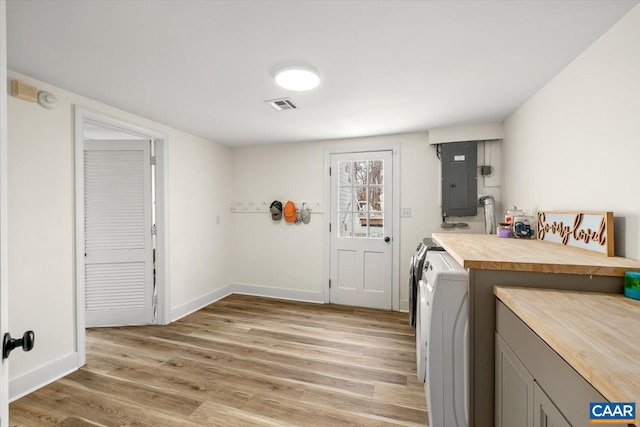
(162, 237)
(200, 302)
(4, 227)
(404, 306)
(326, 233)
(79, 244)
(279, 293)
(326, 240)
(244, 289)
(40, 377)
(83, 115)
(396, 228)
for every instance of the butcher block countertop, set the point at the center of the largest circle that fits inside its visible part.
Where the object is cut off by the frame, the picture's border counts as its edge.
(595, 333)
(489, 252)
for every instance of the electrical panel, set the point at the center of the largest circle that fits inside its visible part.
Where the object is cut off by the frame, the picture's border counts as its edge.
(459, 178)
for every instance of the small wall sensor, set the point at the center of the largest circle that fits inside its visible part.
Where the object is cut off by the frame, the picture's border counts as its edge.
(47, 100)
(486, 170)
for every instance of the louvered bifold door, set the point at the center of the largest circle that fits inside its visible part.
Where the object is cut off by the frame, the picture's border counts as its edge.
(118, 245)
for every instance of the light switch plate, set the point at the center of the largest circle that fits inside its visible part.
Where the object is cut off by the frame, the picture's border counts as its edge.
(405, 212)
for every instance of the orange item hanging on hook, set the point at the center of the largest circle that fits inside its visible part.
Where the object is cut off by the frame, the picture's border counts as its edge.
(290, 212)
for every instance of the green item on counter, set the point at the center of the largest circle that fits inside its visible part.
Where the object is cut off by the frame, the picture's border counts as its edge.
(632, 284)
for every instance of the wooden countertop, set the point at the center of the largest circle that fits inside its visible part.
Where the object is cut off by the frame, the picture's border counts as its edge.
(489, 252)
(595, 333)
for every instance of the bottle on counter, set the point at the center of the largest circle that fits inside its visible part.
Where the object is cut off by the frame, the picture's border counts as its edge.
(511, 213)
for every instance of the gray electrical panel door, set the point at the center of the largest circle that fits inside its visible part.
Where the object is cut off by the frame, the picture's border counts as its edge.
(459, 178)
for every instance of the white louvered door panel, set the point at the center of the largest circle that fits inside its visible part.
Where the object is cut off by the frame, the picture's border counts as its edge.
(118, 245)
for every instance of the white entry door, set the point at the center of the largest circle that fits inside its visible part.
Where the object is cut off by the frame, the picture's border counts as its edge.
(118, 233)
(361, 224)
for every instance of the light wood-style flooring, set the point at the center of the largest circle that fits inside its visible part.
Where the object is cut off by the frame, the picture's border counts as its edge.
(242, 361)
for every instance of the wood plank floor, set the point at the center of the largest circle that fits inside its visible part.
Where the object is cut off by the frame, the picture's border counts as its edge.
(242, 361)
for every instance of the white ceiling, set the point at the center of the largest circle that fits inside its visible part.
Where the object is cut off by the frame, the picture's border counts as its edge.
(387, 66)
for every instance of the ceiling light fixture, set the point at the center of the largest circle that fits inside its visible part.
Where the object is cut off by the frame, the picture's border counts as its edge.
(297, 78)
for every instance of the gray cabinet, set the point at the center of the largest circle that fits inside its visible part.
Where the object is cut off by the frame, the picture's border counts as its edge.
(482, 327)
(514, 389)
(545, 413)
(534, 386)
(520, 401)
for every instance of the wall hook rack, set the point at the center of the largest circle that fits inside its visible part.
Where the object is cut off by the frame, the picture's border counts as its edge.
(262, 206)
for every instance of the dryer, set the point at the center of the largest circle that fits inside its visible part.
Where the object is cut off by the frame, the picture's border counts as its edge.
(416, 266)
(442, 322)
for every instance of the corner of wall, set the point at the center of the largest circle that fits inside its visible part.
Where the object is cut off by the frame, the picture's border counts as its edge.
(200, 302)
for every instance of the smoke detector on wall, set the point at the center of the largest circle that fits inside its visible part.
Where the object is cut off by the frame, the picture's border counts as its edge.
(47, 100)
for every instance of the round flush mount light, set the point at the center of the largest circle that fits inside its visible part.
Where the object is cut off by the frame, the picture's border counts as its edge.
(297, 78)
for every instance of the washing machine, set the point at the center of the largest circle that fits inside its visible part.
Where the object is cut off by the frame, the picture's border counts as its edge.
(442, 353)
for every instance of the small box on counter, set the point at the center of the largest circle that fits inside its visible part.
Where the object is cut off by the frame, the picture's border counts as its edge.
(632, 284)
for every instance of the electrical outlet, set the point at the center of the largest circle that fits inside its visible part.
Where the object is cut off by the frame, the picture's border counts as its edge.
(405, 213)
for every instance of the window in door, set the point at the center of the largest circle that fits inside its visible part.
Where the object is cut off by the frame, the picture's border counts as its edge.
(361, 199)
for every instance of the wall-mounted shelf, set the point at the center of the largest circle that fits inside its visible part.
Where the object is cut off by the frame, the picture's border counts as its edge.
(314, 206)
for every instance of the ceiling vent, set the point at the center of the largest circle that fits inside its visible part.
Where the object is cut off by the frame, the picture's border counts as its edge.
(282, 104)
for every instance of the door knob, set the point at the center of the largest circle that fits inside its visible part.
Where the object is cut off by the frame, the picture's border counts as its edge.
(26, 342)
(387, 239)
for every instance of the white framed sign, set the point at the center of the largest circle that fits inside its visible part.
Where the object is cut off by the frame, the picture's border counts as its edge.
(586, 230)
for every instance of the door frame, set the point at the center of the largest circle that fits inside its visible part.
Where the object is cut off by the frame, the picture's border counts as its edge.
(84, 115)
(4, 225)
(395, 207)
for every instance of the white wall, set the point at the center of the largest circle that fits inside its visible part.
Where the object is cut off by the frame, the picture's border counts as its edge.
(290, 256)
(280, 254)
(41, 220)
(199, 194)
(575, 145)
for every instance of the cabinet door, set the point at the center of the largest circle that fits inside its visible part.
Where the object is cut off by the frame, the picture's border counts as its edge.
(514, 389)
(545, 413)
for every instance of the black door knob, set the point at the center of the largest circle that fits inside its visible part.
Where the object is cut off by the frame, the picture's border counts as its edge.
(387, 239)
(26, 342)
